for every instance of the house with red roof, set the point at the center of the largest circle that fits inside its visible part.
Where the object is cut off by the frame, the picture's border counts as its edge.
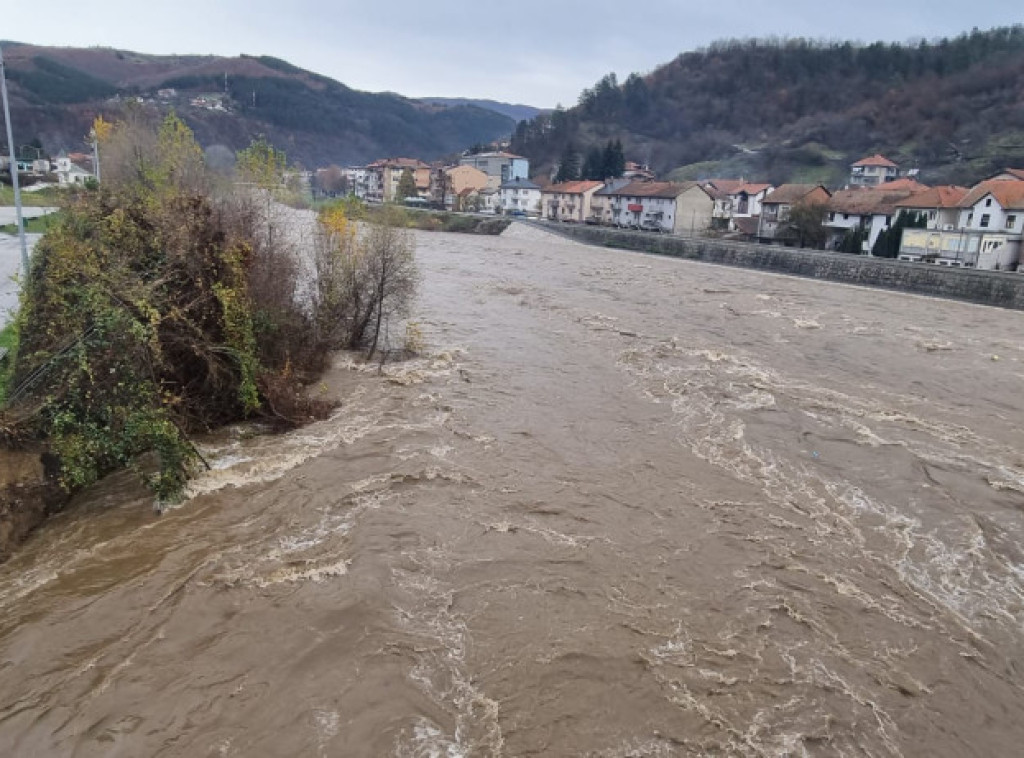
(872, 171)
(672, 207)
(987, 235)
(776, 206)
(735, 199)
(568, 201)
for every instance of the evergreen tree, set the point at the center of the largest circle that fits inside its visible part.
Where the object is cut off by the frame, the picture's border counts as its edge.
(614, 159)
(568, 165)
(888, 243)
(594, 164)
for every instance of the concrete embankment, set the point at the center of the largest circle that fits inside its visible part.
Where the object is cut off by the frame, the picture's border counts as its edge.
(1003, 289)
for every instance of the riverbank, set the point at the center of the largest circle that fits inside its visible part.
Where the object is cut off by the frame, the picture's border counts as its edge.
(1001, 289)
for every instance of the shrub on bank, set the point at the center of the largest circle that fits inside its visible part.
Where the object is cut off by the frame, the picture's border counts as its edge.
(167, 302)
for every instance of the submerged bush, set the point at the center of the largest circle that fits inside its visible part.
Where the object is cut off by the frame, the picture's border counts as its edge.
(156, 307)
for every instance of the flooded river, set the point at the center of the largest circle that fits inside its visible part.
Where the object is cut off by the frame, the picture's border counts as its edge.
(622, 506)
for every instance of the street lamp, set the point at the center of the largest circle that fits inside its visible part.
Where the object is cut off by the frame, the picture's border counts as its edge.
(13, 167)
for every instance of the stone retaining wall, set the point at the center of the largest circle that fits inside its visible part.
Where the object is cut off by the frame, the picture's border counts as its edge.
(1003, 289)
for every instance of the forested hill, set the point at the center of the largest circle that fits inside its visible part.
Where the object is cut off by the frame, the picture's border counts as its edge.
(800, 110)
(56, 92)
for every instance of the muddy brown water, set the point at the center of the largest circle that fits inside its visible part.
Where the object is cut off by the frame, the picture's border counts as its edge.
(622, 506)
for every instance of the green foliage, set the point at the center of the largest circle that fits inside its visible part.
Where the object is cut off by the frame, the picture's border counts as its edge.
(853, 240)
(261, 164)
(568, 165)
(804, 225)
(406, 185)
(52, 82)
(887, 245)
(8, 342)
(36, 225)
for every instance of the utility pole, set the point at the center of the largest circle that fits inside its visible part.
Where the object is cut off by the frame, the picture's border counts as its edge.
(14, 168)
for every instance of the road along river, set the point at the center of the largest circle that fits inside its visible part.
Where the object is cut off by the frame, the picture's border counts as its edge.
(623, 506)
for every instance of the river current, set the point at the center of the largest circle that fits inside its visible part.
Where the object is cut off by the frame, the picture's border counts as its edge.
(621, 505)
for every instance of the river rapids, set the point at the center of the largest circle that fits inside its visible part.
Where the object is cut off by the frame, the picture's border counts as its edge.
(621, 505)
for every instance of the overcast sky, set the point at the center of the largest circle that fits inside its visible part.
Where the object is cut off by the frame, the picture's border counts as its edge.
(538, 52)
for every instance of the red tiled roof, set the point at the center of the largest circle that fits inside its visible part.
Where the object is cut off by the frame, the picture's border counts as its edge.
(752, 188)
(867, 201)
(728, 186)
(906, 183)
(945, 196)
(655, 189)
(791, 193)
(574, 188)
(1009, 193)
(747, 225)
(876, 160)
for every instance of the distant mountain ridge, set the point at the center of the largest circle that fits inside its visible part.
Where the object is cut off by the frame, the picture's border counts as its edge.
(803, 110)
(57, 91)
(516, 111)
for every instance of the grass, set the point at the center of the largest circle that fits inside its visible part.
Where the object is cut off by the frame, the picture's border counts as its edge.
(447, 221)
(33, 225)
(8, 340)
(48, 196)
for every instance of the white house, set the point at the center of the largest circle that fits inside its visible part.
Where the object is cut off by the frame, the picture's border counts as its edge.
(500, 167)
(872, 209)
(568, 201)
(939, 205)
(677, 208)
(735, 199)
(520, 195)
(988, 233)
(872, 171)
(69, 173)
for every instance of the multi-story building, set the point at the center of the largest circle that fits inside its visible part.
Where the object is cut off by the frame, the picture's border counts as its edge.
(872, 171)
(988, 232)
(673, 207)
(520, 197)
(500, 167)
(775, 208)
(568, 201)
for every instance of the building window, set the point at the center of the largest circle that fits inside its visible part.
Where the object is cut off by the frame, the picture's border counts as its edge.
(1011, 221)
(985, 218)
(988, 203)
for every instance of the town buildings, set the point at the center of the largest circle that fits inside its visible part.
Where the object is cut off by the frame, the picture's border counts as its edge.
(872, 171)
(569, 201)
(520, 197)
(500, 167)
(774, 226)
(672, 207)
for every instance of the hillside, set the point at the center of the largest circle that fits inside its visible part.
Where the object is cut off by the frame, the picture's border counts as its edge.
(516, 111)
(56, 92)
(799, 110)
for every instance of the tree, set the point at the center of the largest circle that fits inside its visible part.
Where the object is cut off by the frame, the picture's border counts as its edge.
(332, 180)
(568, 165)
(889, 240)
(593, 165)
(614, 159)
(805, 224)
(261, 164)
(389, 247)
(406, 185)
(853, 240)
